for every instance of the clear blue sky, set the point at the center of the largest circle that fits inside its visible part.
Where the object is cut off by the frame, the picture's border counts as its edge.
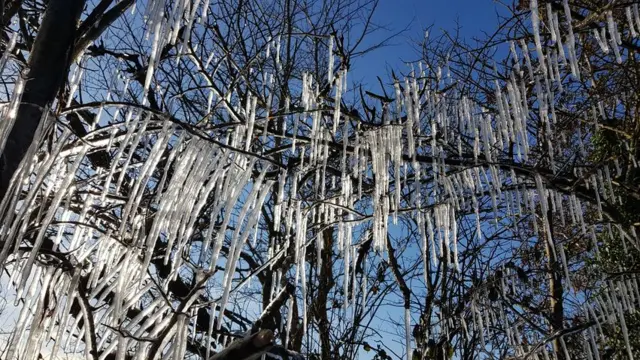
(472, 16)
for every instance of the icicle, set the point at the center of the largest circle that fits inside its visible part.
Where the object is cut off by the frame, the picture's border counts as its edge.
(330, 63)
(602, 41)
(407, 327)
(527, 58)
(615, 38)
(549, 23)
(347, 264)
(565, 266)
(625, 331)
(155, 49)
(7, 124)
(338, 104)
(636, 15)
(516, 61)
(75, 81)
(563, 345)
(535, 22)
(571, 42)
(288, 322)
(9, 48)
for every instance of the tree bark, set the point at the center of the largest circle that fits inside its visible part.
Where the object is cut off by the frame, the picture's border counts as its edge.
(48, 66)
(321, 301)
(249, 348)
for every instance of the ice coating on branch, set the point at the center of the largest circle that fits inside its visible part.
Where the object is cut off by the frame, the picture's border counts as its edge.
(179, 201)
(407, 327)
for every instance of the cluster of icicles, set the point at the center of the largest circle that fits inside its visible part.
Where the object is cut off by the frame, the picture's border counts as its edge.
(114, 257)
(608, 307)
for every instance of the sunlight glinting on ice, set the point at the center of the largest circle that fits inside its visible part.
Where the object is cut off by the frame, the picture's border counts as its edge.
(414, 138)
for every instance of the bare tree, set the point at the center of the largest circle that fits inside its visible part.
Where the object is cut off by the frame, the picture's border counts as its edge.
(180, 97)
(207, 173)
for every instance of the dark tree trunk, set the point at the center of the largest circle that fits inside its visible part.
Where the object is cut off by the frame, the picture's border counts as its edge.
(47, 68)
(321, 300)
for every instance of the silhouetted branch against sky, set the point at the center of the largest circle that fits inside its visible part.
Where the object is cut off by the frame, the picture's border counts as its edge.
(339, 179)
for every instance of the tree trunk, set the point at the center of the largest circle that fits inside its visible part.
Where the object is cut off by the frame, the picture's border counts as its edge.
(322, 296)
(47, 68)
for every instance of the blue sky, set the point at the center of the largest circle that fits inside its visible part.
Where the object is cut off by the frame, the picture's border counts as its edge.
(473, 17)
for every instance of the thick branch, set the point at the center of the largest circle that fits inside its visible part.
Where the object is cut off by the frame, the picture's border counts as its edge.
(249, 348)
(48, 66)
